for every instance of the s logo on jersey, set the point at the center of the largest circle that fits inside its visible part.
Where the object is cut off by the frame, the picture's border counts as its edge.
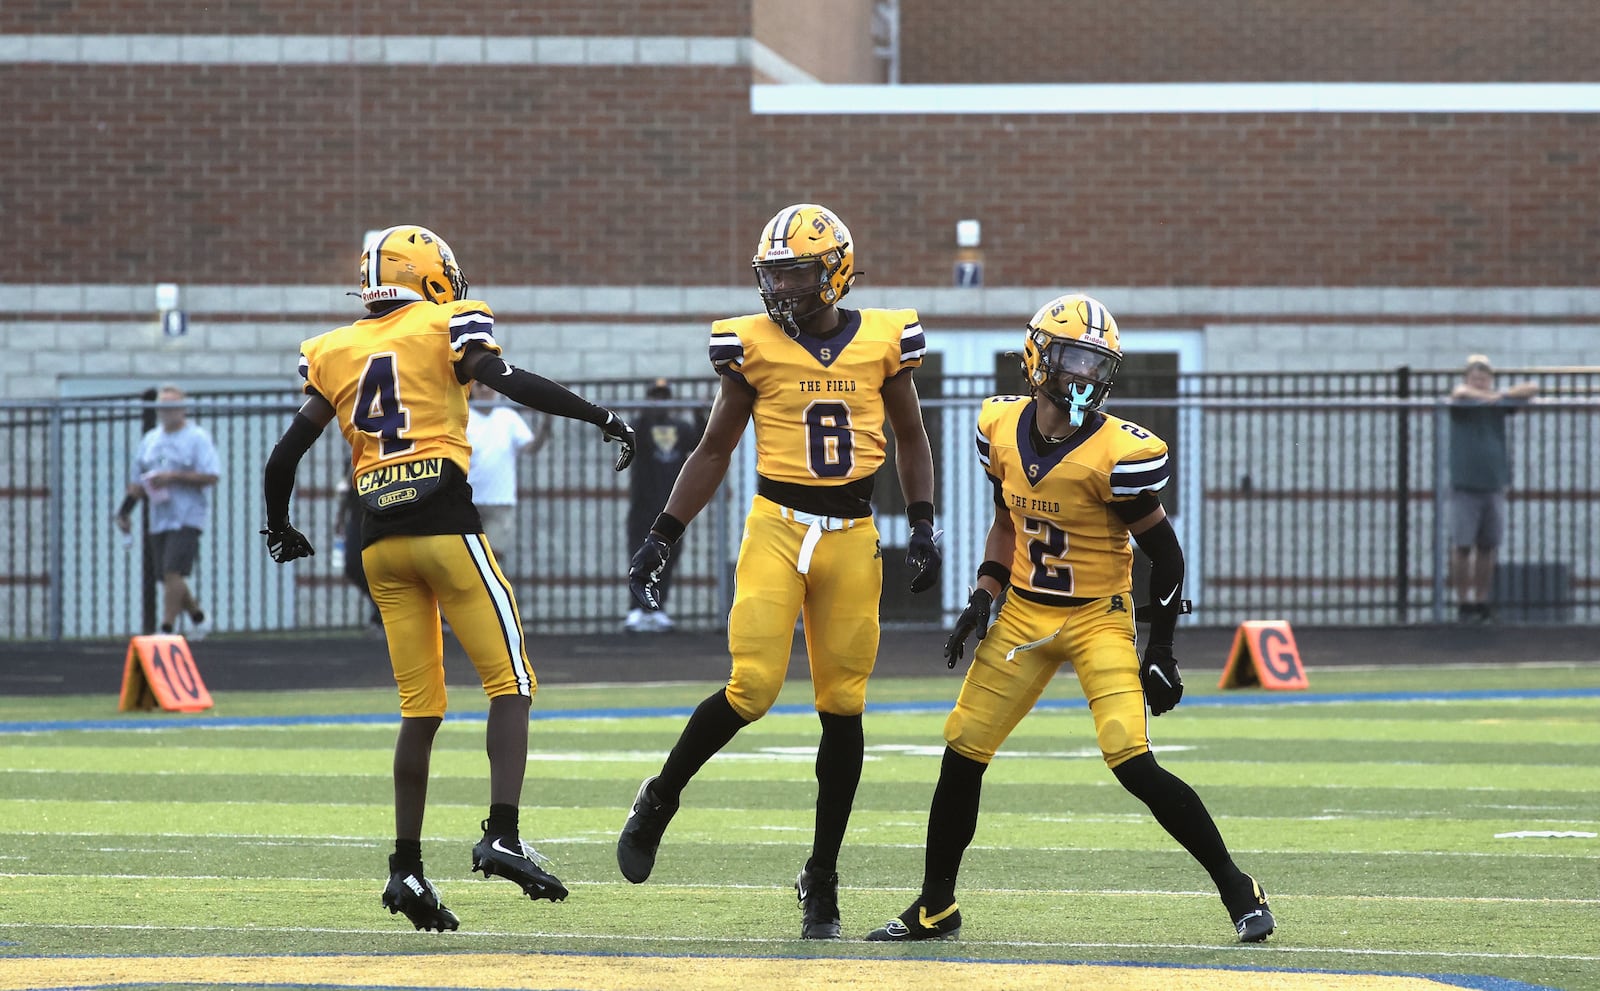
(1033, 471)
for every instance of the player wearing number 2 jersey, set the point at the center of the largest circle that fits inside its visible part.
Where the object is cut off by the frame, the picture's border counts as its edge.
(819, 381)
(1071, 484)
(397, 381)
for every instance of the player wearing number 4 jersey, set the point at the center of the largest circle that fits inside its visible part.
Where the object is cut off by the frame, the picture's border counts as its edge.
(397, 381)
(819, 382)
(1071, 484)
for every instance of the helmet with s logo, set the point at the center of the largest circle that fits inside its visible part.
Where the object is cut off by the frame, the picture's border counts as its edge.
(409, 263)
(1072, 353)
(804, 262)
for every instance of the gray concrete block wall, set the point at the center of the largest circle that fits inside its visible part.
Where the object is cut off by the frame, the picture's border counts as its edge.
(1362, 346)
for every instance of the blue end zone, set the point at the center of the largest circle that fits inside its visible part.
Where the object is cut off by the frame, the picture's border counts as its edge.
(159, 721)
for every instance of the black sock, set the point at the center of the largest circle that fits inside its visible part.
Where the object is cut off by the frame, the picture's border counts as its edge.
(952, 820)
(1181, 813)
(713, 724)
(198, 616)
(166, 628)
(502, 821)
(839, 756)
(408, 854)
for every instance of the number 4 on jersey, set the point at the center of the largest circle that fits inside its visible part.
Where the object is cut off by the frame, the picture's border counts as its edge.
(378, 410)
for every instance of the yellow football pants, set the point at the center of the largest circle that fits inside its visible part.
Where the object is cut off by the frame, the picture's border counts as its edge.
(1096, 639)
(837, 597)
(412, 579)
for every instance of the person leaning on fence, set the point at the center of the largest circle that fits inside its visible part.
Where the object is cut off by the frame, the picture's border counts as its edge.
(669, 437)
(1480, 473)
(173, 472)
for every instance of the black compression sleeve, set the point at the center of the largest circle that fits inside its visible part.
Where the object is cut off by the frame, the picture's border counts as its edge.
(278, 477)
(536, 391)
(1133, 510)
(127, 505)
(1160, 544)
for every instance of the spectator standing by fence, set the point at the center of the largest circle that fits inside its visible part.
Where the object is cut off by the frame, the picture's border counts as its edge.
(499, 436)
(173, 472)
(669, 436)
(1480, 473)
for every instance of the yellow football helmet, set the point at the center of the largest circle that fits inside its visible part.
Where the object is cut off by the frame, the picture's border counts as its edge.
(410, 263)
(804, 262)
(1072, 353)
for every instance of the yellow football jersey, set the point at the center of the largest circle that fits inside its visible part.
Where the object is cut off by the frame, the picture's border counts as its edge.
(391, 377)
(1070, 542)
(819, 410)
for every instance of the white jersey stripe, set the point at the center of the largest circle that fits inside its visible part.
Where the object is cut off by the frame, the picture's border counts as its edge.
(1136, 489)
(1135, 466)
(505, 609)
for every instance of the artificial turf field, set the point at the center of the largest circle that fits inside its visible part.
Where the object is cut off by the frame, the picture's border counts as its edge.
(246, 847)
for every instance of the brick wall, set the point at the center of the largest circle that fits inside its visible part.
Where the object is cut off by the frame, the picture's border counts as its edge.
(271, 174)
(660, 176)
(1081, 41)
(1211, 199)
(410, 17)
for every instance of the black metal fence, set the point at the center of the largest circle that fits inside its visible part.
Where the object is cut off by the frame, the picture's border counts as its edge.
(1310, 497)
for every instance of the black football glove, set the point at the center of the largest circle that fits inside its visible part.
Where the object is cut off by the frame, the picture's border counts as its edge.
(286, 544)
(644, 571)
(922, 555)
(1158, 673)
(616, 429)
(973, 619)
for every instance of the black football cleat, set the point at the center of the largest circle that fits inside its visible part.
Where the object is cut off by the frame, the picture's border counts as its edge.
(917, 923)
(641, 834)
(1252, 917)
(519, 863)
(409, 892)
(819, 904)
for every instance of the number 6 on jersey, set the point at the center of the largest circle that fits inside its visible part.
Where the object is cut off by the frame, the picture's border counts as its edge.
(830, 443)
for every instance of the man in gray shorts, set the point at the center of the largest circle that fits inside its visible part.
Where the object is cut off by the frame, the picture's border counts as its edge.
(173, 471)
(1480, 472)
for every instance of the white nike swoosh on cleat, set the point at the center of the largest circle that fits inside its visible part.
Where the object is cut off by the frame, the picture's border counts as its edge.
(510, 853)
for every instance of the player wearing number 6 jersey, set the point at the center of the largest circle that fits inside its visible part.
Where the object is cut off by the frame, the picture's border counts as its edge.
(820, 381)
(1071, 484)
(397, 381)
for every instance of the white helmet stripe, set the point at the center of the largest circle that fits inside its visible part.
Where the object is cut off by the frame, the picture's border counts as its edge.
(374, 254)
(780, 228)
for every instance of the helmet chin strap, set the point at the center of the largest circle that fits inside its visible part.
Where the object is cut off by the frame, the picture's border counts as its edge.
(784, 315)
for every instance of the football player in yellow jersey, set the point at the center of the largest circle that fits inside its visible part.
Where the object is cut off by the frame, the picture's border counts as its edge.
(1071, 484)
(397, 380)
(819, 381)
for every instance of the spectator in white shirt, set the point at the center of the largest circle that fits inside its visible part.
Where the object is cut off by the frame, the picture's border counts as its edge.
(498, 436)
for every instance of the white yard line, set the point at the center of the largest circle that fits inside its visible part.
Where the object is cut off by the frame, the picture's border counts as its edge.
(886, 889)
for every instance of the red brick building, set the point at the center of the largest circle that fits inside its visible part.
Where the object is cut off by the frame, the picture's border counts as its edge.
(595, 143)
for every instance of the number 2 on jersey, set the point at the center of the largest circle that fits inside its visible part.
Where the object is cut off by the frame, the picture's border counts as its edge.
(1048, 552)
(830, 443)
(378, 410)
